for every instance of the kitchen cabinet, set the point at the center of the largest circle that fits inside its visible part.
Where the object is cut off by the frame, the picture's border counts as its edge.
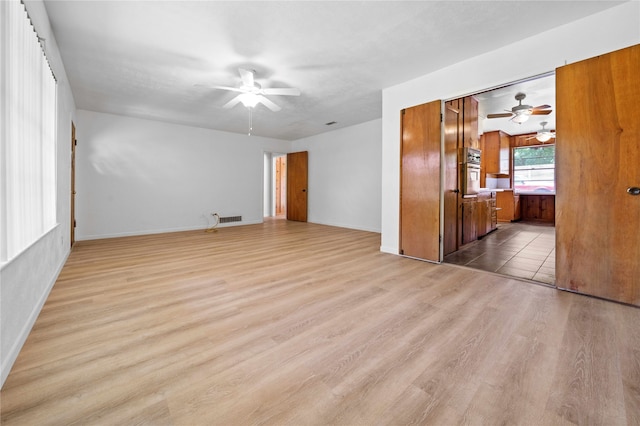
(496, 152)
(486, 213)
(469, 220)
(493, 214)
(478, 216)
(538, 208)
(483, 215)
(508, 205)
(470, 122)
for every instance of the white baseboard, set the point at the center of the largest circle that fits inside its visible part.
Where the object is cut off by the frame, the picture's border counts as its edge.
(390, 250)
(159, 231)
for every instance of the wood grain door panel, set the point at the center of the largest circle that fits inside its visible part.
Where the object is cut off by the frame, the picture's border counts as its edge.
(420, 182)
(598, 158)
(297, 176)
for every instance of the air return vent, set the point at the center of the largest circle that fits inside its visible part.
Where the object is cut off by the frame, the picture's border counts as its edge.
(231, 219)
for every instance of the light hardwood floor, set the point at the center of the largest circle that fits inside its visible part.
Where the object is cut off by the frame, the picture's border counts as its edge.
(294, 323)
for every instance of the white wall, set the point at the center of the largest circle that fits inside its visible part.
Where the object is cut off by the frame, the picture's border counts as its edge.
(138, 176)
(26, 280)
(344, 176)
(607, 31)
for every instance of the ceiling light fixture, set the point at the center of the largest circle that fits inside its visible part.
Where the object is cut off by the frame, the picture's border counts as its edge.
(543, 137)
(521, 116)
(249, 100)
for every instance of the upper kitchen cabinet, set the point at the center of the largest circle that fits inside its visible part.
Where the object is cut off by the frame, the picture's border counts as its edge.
(470, 122)
(496, 152)
(597, 157)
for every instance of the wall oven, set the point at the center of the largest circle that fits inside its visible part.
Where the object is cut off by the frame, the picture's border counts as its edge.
(470, 175)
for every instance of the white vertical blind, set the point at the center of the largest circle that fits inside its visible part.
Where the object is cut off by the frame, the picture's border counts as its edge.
(27, 162)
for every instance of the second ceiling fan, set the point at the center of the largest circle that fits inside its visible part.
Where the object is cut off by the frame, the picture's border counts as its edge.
(521, 113)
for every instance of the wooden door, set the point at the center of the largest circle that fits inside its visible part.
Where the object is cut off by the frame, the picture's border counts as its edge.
(597, 159)
(451, 176)
(297, 165)
(420, 182)
(73, 184)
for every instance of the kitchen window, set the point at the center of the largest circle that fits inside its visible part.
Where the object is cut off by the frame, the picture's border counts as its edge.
(534, 169)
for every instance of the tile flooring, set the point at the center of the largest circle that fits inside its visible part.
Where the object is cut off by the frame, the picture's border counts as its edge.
(524, 250)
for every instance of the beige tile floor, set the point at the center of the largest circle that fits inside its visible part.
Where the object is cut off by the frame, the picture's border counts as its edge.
(524, 250)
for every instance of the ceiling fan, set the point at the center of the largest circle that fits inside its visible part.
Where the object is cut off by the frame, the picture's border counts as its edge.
(521, 113)
(543, 135)
(251, 93)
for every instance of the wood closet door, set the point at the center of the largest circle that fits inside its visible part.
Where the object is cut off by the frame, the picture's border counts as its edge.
(597, 159)
(297, 176)
(420, 182)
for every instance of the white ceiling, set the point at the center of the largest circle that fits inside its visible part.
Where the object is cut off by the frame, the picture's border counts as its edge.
(144, 58)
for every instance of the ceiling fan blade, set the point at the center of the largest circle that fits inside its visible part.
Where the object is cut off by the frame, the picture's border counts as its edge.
(284, 91)
(540, 112)
(233, 102)
(246, 76)
(266, 102)
(500, 115)
(208, 86)
(232, 89)
(542, 107)
(531, 137)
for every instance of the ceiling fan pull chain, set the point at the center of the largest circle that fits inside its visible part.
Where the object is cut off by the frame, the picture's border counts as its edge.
(250, 120)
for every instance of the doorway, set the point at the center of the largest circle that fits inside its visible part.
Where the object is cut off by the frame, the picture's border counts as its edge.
(275, 182)
(523, 244)
(285, 185)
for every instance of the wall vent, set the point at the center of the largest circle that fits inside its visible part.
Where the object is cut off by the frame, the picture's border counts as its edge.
(231, 219)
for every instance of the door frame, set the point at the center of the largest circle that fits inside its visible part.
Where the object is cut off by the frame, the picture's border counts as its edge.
(270, 183)
(500, 86)
(74, 143)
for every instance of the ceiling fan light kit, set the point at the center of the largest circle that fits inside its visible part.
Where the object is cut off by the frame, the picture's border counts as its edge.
(543, 135)
(249, 100)
(520, 117)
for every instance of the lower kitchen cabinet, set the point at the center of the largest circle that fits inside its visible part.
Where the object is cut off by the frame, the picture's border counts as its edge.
(508, 205)
(539, 208)
(469, 221)
(478, 216)
(486, 218)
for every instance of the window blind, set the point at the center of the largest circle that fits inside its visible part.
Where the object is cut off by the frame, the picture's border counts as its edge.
(28, 131)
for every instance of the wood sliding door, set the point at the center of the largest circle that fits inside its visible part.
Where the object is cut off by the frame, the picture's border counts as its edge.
(597, 160)
(420, 182)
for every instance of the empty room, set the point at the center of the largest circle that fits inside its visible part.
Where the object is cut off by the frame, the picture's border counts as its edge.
(320, 213)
